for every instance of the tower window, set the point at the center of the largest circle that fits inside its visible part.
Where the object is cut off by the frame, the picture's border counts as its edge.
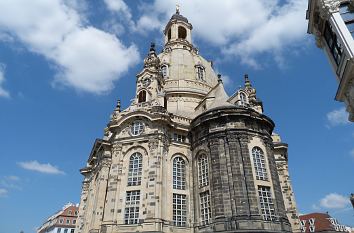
(178, 137)
(266, 202)
(243, 99)
(205, 213)
(179, 173)
(259, 164)
(164, 71)
(135, 169)
(132, 202)
(169, 34)
(142, 96)
(182, 32)
(179, 210)
(203, 170)
(137, 128)
(200, 73)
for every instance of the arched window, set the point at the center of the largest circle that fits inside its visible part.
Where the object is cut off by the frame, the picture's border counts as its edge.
(243, 99)
(164, 71)
(136, 128)
(135, 169)
(200, 72)
(169, 34)
(142, 96)
(182, 32)
(203, 170)
(259, 164)
(179, 173)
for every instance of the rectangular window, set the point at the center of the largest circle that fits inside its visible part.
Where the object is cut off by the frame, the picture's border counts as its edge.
(72, 230)
(59, 230)
(68, 221)
(333, 43)
(65, 230)
(179, 210)
(266, 202)
(178, 137)
(74, 221)
(132, 203)
(61, 221)
(205, 213)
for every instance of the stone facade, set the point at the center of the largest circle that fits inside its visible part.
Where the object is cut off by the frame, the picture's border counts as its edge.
(184, 156)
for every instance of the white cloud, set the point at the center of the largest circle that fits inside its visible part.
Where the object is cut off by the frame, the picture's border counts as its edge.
(352, 153)
(86, 58)
(334, 201)
(13, 178)
(3, 192)
(241, 28)
(41, 167)
(337, 117)
(3, 92)
(117, 6)
(10, 182)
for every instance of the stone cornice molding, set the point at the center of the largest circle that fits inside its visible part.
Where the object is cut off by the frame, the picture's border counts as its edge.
(328, 7)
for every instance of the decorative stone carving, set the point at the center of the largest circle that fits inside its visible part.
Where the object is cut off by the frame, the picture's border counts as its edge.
(152, 60)
(153, 144)
(328, 7)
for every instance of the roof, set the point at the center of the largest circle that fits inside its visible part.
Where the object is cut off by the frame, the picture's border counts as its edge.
(179, 17)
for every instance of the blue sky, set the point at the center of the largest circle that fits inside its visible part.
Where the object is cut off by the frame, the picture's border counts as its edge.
(65, 63)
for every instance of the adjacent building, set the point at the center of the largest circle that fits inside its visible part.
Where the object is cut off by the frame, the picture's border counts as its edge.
(321, 222)
(332, 24)
(185, 156)
(63, 221)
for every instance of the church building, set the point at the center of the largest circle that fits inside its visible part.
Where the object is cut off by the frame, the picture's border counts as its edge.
(185, 157)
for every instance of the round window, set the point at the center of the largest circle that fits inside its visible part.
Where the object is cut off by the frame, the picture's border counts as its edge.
(137, 128)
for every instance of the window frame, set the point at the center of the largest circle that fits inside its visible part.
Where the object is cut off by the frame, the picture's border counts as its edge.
(243, 99)
(200, 71)
(142, 96)
(136, 128)
(260, 164)
(135, 169)
(179, 209)
(132, 207)
(266, 203)
(205, 210)
(179, 169)
(165, 71)
(333, 44)
(203, 170)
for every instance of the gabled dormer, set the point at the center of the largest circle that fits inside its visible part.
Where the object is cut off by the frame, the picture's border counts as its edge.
(246, 97)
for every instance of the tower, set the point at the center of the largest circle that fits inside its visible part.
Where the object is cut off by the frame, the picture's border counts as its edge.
(184, 156)
(332, 24)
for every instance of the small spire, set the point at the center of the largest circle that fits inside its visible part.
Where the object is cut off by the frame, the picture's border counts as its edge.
(118, 106)
(152, 47)
(247, 81)
(177, 9)
(219, 78)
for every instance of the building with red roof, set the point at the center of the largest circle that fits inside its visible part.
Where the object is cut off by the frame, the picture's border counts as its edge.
(63, 221)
